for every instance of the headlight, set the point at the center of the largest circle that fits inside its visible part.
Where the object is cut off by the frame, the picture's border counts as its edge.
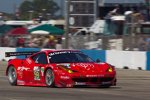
(110, 69)
(70, 71)
(66, 68)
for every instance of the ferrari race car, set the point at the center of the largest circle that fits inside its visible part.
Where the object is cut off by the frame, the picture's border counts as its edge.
(63, 68)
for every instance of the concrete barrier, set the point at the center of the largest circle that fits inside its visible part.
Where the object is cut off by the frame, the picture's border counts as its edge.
(6, 49)
(120, 59)
(124, 59)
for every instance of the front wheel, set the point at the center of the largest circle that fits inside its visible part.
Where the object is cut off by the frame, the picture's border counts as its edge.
(49, 78)
(12, 75)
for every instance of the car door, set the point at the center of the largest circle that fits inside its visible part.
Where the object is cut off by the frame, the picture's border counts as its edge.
(37, 67)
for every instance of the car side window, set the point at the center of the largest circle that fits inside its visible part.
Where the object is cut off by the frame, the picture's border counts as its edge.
(40, 58)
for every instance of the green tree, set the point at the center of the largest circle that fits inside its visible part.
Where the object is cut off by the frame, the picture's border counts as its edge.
(36, 8)
(25, 9)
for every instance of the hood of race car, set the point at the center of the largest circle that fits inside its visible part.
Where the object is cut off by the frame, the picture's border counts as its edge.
(87, 67)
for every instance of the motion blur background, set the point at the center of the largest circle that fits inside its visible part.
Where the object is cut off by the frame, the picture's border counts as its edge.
(76, 24)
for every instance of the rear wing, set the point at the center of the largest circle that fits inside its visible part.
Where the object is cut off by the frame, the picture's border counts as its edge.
(9, 54)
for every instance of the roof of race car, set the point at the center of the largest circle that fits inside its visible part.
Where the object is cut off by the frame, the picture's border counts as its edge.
(49, 51)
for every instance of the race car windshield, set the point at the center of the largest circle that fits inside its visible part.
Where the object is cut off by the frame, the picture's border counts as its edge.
(69, 57)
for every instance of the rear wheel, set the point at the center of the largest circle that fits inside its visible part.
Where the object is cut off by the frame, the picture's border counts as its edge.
(12, 75)
(49, 78)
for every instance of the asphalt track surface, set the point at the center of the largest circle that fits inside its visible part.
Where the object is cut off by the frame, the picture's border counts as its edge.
(131, 85)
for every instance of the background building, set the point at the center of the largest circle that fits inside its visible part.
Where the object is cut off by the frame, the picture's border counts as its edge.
(108, 5)
(82, 13)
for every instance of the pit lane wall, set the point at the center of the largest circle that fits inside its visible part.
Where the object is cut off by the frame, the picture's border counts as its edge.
(120, 59)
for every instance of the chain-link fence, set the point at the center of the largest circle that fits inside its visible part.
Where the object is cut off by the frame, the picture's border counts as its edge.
(124, 42)
(100, 42)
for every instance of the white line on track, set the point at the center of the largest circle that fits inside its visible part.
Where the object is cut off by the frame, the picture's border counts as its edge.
(13, 99)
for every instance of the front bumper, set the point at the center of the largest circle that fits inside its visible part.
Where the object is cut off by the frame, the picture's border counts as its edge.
(70, 81)
(95, 81)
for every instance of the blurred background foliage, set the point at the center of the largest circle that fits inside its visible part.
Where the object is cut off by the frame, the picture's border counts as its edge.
(38, 8)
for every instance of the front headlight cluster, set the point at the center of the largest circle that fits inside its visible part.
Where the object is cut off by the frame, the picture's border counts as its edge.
(66, 68)
(111, 68)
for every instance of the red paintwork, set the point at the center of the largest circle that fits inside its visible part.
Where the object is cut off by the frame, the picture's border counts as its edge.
(90, 73)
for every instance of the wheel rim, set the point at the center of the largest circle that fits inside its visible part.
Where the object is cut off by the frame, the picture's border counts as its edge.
(12, 74)
(49, 77)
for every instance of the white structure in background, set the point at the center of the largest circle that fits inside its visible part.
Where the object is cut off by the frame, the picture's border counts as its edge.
(97, 27)
(116, 44)
(81, 31)
(118, 18)
(31, 23)
(94, 45)
(21, 23)
(40, 32)
(54, 22)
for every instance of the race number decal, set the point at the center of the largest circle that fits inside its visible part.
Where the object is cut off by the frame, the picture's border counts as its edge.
(42, 71)
(36, 73)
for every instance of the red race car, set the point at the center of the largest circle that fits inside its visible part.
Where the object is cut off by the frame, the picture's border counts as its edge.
(63, 68)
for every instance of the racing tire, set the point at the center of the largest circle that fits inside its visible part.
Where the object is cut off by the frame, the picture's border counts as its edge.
(49, 78)
(12, 75)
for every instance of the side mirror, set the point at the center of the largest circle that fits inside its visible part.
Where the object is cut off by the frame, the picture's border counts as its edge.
(98, 60)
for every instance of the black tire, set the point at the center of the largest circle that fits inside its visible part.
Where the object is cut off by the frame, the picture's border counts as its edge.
(49, 78)
(12, 75)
